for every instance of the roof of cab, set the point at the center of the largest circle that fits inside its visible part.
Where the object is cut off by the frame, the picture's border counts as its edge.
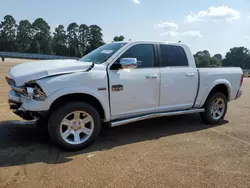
(154, 42)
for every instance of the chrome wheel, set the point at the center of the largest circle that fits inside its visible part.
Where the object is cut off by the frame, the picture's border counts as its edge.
(76, 127)
(218, 108)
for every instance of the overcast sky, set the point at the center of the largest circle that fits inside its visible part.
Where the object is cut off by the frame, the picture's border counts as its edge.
(215, 25)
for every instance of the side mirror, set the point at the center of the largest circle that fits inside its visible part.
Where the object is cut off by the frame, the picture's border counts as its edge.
(128, 63)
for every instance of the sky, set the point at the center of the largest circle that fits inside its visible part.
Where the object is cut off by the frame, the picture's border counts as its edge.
(214, 25)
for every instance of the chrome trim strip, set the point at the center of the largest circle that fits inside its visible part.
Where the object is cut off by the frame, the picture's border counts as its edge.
(155, 115)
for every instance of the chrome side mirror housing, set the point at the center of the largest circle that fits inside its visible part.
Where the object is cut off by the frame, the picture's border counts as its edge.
(128, 63)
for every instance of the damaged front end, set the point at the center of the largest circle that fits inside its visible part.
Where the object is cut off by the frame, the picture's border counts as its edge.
(30, 90)
(28, 95)
(19, 94)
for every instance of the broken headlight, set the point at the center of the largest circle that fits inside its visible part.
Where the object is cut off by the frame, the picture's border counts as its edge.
(35, 92)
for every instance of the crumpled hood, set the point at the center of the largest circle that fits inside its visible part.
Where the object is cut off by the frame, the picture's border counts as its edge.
(26, 72)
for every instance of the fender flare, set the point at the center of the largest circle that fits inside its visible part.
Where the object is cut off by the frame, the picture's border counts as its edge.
(104, 100)
(216, 83)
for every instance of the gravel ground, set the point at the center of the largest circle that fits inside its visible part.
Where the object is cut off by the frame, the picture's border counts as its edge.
(165, 152)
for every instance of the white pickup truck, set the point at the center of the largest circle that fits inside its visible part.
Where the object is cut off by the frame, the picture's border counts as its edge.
(119, 83)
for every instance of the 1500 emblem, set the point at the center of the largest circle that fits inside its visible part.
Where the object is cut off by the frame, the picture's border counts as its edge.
(117, 87)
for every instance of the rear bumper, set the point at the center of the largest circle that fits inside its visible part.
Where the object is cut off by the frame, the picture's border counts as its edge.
(239, 93)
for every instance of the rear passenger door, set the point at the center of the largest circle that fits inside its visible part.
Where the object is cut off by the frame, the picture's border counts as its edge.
(179, 82)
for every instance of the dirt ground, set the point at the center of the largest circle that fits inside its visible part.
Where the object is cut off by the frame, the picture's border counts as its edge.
(165, 152)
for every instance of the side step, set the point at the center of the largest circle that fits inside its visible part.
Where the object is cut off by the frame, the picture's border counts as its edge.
(155, 115)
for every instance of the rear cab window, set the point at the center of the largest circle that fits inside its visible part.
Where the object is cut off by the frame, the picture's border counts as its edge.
(172, 56)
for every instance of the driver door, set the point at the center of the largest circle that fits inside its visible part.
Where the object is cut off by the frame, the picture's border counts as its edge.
(135, 91)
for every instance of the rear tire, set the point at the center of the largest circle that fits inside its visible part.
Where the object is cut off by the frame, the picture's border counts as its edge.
(215, 109)
(74, 126)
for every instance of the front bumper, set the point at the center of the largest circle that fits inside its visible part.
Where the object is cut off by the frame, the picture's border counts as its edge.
(239, 93)
(17, 104)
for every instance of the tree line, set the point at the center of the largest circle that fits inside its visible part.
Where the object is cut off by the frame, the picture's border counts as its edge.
(75, 40)
(79, 39)
(236, 57)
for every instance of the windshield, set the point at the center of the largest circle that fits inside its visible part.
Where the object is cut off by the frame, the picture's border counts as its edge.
(102, 53)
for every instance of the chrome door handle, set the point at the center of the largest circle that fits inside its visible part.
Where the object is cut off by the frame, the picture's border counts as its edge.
(190, 74)
(152, 77)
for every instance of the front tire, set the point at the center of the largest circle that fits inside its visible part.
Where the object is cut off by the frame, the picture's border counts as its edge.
(42, 125)
(74, 126)
(215, 109)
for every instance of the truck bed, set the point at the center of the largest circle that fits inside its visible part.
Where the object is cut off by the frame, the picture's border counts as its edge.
(210, 77)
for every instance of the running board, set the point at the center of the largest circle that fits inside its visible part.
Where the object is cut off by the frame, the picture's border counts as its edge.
(155, 115)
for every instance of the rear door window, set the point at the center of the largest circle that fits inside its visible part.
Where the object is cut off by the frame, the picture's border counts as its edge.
(172, 56)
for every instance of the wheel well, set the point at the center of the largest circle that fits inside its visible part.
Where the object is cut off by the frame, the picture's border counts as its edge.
(222, 88)
(78, 97)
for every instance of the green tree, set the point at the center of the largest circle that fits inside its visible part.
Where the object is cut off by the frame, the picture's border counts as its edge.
(36, 37)
(202, 58)
(41, 42)
(83, 35)
(218, 56)
(216, 60)
(95, 37)
(118, 38)
(8, 33)
(24, 36)
(59, 41)
(237, 56)
(73, 39)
